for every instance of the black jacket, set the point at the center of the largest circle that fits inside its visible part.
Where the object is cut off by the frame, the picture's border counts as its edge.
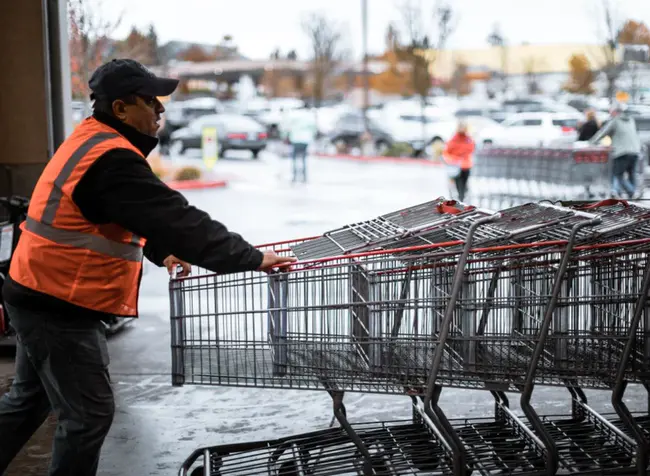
(588, 130)
(121, 188)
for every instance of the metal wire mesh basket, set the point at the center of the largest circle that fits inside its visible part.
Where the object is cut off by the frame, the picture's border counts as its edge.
(399, 447)
(371, 322)
(538, 294)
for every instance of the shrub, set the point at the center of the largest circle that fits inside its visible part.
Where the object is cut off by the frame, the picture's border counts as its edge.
(399, 150)
(188, 173)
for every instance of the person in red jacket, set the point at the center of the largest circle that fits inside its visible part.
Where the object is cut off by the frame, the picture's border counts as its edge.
(458, 157)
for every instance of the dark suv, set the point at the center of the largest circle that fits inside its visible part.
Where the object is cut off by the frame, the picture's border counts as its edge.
(349, 128)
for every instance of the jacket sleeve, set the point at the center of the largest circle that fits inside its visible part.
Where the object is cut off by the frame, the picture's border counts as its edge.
(582, 132)
(154, 254)
(608, 129)
(449, 154)
(128, 193)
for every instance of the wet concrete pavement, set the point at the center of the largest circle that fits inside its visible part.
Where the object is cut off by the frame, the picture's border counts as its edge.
(157, 426)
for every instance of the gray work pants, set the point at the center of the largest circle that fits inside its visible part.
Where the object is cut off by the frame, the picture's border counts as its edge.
(61, 367)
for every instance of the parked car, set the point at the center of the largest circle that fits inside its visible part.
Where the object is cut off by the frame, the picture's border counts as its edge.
(181, 113)
(533, 129)
(234, 132)
(349, 128)
(493, 113)
(273, 115)
(439, 131)
(409, 128)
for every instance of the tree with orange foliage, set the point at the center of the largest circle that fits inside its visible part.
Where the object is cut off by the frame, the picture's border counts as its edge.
(89, 40)
(281, 83)
(196, 54)
(581, 77)
(396, 79)
(425, 34)
(634, 33)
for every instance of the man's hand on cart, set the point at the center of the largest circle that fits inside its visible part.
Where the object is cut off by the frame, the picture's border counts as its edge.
(272, 260)
(172, 263)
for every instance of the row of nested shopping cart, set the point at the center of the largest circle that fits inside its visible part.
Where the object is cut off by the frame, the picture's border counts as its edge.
(436, 296)
(508, 176)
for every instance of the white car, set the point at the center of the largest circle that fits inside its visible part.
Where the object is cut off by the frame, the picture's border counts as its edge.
(533, 129)
(437, 130)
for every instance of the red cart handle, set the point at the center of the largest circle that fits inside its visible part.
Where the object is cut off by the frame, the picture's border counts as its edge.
(450, 208)
(606, 203)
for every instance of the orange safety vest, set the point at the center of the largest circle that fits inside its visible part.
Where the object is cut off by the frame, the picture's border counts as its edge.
(62, 254)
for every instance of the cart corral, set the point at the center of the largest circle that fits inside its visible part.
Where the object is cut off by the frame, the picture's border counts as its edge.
(508, 176)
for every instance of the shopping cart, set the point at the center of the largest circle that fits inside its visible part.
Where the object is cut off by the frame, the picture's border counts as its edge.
(383, 231)
(470, 299)
(515, 175)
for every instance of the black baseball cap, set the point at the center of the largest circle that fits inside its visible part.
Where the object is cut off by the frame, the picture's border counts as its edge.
(121, 77)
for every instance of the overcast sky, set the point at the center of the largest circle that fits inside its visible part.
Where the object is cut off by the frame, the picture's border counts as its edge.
(259, 26)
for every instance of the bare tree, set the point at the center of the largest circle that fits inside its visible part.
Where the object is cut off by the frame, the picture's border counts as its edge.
(531, 65)
(459, 83)
(497, 40)
(138, 46)
(609, 27)
(426, 35)
(325, 36)
(90, 33)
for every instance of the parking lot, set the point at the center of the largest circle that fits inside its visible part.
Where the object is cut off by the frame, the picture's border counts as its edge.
(156, 425)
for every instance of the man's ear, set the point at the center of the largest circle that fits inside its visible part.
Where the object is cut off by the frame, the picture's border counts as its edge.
(119, 109)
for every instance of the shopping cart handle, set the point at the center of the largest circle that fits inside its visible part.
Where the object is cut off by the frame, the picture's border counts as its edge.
(175, 270)
(449, 208)
(606, 203)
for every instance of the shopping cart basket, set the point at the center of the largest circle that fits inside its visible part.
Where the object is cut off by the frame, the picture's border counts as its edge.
(585, 339)
(521, 174)
(383, 231)
(396, 447)
(472, 312)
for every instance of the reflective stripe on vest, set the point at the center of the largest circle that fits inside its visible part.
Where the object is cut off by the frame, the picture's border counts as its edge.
(56, 193)
(98, 244)
(128, 251)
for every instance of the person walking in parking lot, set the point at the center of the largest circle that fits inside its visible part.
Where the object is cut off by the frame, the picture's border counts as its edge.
(301, 135)
(96, 209)
(458, 157)
(590, 127)
(626, 150)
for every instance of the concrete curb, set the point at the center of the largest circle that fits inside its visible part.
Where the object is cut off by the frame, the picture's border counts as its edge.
(369, 159)
(196, 184)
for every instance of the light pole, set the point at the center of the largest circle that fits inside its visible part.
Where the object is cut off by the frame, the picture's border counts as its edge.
(364, 29)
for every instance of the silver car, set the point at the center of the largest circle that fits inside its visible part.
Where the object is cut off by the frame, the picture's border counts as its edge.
(234, 132)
